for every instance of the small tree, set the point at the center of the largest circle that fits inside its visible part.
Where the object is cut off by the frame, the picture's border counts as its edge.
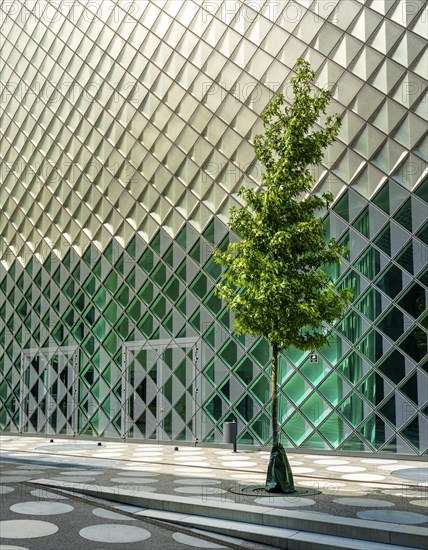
(274, 280)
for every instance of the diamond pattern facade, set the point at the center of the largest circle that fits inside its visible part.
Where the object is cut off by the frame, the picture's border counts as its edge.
(126, 133)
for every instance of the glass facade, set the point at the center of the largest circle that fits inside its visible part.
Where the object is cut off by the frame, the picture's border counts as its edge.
(127, 130)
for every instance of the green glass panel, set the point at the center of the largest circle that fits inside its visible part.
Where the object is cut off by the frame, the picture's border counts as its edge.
(213, 269)
(261, 352)
(159, 275)
(146, 325)
(147, 261)
(215, 231)
(333, 388)
(294, 355)
(182, 271)
(123, 296)
(350, 326)
(261, 427)
(422, 190)
(156, 243)
(88, 345)
(244, 370)
(391, 281)
(404, 215)
(100, 299)
(159, 307)
(111, 313)
(261, 389)
(315, 442)
(373, 431)
(58, 333)
(415, 344)
(371, 346)
(405, 258)
(411, 434)
(423, 277)
(370, 304)
(362, 223)
(195, 321)
(111, 283)
(213, 303)
(352, 409)
(120, 265)
(89, 316)
(410, 389)
(110, 343)
(392, 324)
(69, 318)
(297, 429)
(393, 366)
(146, 292)
(296, 389)
(122, 328)
(131, 279)
(350, 280)
(172, 289)
(195, 252)
(314, 372)
(414, 300)
(334, 430)
(315, 409)
(134, 310)
(369, 263)
(374, 389)
(383, 240)
(422, 234)
(79, 331)
(351, 368)
(199, 286)
(245, 408)
(90, 286)
(332, 351)
(229, 353)
(342, 206)
(213, 408)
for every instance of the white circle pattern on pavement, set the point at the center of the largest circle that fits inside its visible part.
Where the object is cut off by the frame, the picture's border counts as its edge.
(331, 462)
(284, 502)
(364, 502)
(196, 481)
(113, 533)
(107, 514)
(195, 542)
(377, 461)
(26, 529)
(393, 516)
(362, 477)
(137, 474)
(299, 470)
(422, 502)
(348, 469)
(5, 489)
(238, 464)
(41, 508)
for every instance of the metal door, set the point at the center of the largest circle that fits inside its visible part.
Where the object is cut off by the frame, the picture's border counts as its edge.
(48, 393)
(161, 390)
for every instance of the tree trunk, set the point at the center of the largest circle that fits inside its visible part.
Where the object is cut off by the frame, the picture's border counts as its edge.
(275, 394)
(279, 478)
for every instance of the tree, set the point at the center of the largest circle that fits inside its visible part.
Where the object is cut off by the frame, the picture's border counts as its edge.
(275, 280)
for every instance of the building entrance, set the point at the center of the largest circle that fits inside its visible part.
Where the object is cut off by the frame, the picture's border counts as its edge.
(48, 392)
(161, 394)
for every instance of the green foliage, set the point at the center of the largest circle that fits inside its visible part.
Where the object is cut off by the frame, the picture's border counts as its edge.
(274, 280)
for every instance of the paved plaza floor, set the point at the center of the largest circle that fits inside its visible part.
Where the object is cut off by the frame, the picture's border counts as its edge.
(76, 494)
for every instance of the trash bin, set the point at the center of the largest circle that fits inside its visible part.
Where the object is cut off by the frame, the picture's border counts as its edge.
(230, 430)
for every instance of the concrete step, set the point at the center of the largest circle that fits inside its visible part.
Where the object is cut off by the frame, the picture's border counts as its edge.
(292, 524)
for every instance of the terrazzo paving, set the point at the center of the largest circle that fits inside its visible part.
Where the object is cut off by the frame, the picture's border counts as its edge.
(375, 489)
